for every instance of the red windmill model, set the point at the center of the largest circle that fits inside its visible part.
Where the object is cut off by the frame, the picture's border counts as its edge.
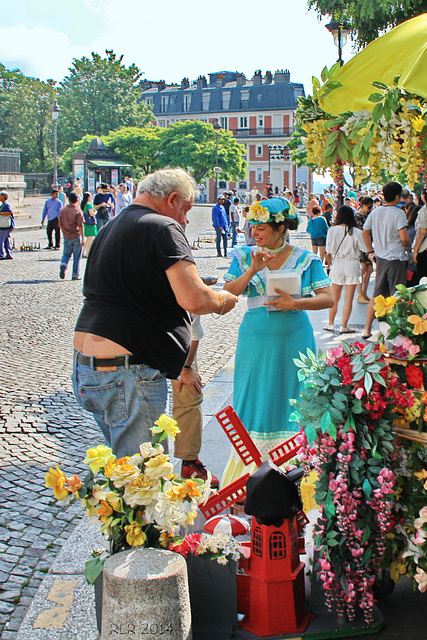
(271, 590)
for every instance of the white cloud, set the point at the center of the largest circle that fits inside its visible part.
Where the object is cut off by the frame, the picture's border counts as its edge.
(38, 51)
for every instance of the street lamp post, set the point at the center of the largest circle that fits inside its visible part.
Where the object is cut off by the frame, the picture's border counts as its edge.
(217, 127)
(55, 115)
(339, 31)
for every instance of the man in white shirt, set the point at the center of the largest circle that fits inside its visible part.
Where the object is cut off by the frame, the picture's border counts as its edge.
(123, 198)
(386, 229)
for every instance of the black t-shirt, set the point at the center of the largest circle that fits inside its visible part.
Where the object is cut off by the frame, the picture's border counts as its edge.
(128, 298)
(103, 212)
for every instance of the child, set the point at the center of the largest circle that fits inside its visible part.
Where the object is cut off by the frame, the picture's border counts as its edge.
(318, 229)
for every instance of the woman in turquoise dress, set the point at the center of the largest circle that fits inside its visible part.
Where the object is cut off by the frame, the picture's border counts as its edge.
(274, 329)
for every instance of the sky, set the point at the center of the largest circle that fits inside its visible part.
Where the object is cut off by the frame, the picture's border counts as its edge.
(169, 40)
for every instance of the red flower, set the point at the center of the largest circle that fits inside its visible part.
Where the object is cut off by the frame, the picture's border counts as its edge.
(414, 376)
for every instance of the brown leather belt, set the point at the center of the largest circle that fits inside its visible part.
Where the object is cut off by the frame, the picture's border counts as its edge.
(118, 361)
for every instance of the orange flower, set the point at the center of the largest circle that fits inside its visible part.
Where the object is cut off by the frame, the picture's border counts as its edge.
(74, 484)
(104, 511)
(420, 325)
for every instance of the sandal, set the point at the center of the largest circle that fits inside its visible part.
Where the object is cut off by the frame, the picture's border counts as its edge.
(366, 337)
(347, 330)
(329, 328)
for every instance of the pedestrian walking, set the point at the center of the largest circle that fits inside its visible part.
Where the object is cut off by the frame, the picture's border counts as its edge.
(89, 222)
(419, 251)
(386, 231)
(104, 204)
(134, 330)
(123, 198)
(234, 220)
(51, 210)
(7, 224)
(344, 243)
(366, 206)
(317, 227)
(71, 225)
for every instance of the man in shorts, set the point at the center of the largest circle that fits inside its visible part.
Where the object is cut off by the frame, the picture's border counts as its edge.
(386, 230)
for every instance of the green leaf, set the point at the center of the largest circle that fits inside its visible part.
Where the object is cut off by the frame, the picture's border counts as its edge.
(367, 555)
(380, 85)
(368, 382)
(325, 74)
(325, 421)
(376, 97)
(377, 112)
(315, 82)
(310, 433)
(295, 416)
(333, 431)
(366, 535)
(330, 509)
(367, 488)
(93, 568)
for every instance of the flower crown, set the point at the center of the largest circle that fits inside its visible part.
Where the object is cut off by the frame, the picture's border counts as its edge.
(273, 210)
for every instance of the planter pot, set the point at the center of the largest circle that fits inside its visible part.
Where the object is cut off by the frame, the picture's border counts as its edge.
(98, 600)
(213, 598)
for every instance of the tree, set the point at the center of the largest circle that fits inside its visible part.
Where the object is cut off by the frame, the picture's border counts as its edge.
(26, 120)
(139, 147)
(192, 146)
(98, 96)
(368, 18)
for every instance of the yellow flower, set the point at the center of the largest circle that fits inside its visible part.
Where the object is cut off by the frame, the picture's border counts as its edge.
(165, 539)
(141, 490)
(418, 124)
(98, 457)
(56, 480)
(383, 349)
(115, 501)
(420, 325)
(422, 475)
(167, 424)
(109, 468)
(383, 306)
(135, 535)
(123, 473)
(158, 467)
(189, 489)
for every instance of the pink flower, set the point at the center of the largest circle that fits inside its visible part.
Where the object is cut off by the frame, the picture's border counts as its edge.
(421, 578)
(359, 393)
(423, 514)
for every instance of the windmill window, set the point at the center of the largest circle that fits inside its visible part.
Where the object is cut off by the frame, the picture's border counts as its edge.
(257, 542)
(277, 546)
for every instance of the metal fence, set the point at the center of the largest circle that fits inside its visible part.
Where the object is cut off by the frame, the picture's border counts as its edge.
(10, 161)
(38, 183)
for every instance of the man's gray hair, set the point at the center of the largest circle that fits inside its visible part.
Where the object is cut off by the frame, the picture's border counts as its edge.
(163, 182)
(5, 194)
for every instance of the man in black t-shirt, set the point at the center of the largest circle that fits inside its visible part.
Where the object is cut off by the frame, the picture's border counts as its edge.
(134, 329)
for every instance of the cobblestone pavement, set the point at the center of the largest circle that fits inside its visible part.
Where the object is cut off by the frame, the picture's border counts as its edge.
(40, 423)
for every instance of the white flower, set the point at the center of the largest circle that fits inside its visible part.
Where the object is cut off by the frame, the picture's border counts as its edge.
(148, 451)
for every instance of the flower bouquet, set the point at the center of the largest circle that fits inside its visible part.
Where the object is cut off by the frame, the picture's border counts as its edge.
(218, 546)
(346, 414)
(403, 321)
(137, 500)
(407, 543)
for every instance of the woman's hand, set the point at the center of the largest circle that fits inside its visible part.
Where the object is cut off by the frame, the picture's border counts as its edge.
(260, 260)
(284, 303)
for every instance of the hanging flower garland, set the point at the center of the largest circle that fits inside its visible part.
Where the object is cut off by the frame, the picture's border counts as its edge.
(346, 415)
(393, 137)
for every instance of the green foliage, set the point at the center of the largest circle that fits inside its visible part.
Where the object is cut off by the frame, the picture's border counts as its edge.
(139, 147)
(368, 18)
(79, 146)
(98, 96)
(25, 116)
(192, 146)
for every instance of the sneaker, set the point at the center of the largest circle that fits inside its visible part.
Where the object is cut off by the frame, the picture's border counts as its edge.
(76, 278)
(62, 271)
(196, 469)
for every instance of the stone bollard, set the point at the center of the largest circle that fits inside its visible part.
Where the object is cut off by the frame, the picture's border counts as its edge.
(145, 595)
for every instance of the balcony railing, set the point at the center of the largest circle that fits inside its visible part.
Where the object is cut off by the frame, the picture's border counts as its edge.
(262, 132)
(10, 161)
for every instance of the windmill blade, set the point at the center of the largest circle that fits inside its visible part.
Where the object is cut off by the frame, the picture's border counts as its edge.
(285, 451)
(238, 436)
(234, 492)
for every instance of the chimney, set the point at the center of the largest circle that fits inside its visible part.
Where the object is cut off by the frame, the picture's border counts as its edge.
(220, 80)
(161, 85)
(185, 83)
(257, 77)
(240, 79)
(201, 82)
(282, 76)
(268, 77)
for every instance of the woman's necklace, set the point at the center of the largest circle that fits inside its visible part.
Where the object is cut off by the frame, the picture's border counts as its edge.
(274, 252)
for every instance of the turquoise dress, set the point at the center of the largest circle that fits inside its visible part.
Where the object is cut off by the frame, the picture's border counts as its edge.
(265, 376)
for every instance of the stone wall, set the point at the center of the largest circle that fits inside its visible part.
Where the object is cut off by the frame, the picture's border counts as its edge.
(14, 184)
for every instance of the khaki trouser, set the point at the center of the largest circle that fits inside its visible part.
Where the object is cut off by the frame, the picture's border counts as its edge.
(187, 411)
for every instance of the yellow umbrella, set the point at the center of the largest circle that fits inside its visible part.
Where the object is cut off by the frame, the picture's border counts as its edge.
(400, 52)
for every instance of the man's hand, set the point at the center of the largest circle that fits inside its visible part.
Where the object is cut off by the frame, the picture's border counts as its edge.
(190, 377)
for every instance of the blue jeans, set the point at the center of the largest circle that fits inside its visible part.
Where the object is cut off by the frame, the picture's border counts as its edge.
(220, 235)
(5, 244)
(74, 248)
(125, 403)
(101, 222)
(234, 236)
